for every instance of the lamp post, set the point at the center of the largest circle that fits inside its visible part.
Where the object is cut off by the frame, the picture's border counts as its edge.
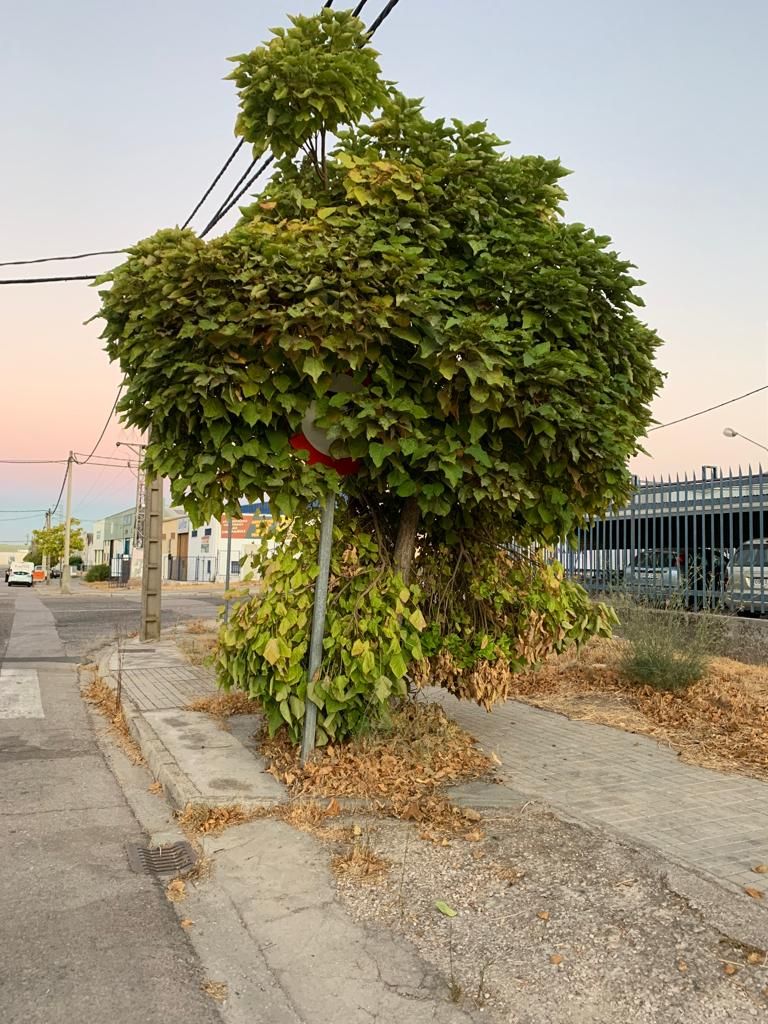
(730, 432)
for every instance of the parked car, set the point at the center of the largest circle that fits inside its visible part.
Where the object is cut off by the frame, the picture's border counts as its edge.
(39, 575)
(20, 576)
(655, 572)
(696, 578)
(55, 573)
(748, 589)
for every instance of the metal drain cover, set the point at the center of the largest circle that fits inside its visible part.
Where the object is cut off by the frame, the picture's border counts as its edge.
(160, 860)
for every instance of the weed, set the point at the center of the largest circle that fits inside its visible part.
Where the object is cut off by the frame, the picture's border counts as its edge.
(667, 651)
(360, 862)
(105, 701)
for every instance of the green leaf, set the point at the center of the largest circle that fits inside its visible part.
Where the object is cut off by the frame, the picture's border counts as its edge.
(445, 909)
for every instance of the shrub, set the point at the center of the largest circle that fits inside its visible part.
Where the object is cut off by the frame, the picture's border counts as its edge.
(97, 574)
(667, 650)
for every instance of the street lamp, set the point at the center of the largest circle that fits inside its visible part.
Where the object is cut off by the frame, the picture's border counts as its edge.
(730, 432)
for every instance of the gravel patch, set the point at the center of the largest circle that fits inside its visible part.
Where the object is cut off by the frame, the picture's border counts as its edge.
(556, 923)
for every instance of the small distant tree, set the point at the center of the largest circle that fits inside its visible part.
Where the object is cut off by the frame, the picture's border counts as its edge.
(50, 542)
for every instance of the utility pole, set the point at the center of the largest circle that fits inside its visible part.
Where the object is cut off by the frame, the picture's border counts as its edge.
(152, 568)
(47, 558)
(64, 584)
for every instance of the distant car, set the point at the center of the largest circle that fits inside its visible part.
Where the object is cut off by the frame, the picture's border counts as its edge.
(39, 575)
(20, 577)
(748, 590)
(55, 573)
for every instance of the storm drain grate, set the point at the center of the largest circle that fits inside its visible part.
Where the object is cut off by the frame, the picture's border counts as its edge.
(160, 860)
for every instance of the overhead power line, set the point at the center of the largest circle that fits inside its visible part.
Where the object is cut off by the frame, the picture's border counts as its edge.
(57, 259)
(32, 462)
(234, 196)
(702, 412)
(63, 485)
(214, 183)
(104, 428)
(49, 280)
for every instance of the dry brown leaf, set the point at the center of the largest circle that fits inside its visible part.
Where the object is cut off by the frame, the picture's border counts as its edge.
(730, 968)
(543, 915)
(760, 869)
(186, 922)
(176, 890)
(215, 989)
(756, 894)
(471, 814)
(474, 837)
(333, 808)
(682, 966)
(755, 958)
(155, 787)
(556, 959)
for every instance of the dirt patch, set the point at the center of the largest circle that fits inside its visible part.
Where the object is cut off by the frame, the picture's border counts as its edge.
(718, 722)
(545, 921)
(198, 647)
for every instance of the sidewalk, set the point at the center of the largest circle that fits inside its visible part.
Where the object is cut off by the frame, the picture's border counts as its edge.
(697, 817)
(270, 918)
(701, 819)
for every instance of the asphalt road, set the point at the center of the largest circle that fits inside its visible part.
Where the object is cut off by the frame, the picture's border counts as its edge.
(82, 937)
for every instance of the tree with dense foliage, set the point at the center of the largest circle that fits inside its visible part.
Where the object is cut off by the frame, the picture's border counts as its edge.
(50, 541)
(500, 375)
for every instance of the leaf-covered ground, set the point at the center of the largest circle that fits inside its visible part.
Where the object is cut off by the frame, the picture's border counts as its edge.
(719, 722)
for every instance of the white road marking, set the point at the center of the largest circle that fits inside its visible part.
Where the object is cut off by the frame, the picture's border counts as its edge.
(20, 693)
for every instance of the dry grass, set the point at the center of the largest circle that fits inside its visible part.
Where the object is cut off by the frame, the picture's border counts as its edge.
(176, 890)
(360, 862)
(104, 699)
(198, 626)
(718, 722)
(222, 705)
(216, 990)
(201, 820)
(198, 648)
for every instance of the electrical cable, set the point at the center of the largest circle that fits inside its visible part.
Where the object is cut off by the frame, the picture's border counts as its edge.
(214, 183)
(104, 428)
(701, 412)
(63, 485)
(232, 200)
(360, 6)
(49, 280)
(32, 462)
(228, 204)
(56, 259)
(385, 13)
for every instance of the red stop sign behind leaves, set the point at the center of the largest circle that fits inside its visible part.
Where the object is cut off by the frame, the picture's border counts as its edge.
(315, 441)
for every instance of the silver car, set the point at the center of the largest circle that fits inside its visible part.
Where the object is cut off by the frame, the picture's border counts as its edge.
(748, 590)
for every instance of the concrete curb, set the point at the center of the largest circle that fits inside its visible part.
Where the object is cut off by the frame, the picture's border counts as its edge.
(182, 788)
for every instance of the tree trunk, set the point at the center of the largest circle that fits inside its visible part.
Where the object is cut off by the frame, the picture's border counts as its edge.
(405, 545)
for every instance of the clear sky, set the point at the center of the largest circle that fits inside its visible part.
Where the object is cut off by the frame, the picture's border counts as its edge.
(115, 117)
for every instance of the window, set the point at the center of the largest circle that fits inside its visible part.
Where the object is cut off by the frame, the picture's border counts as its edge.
(194, 533)
(234, 568)
(208, 531)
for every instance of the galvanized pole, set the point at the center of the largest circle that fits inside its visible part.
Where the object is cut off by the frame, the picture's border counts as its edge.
(318, 623)
(64, 584)
(229, 566)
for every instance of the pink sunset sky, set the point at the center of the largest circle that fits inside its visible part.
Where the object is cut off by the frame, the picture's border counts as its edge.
(115, 119)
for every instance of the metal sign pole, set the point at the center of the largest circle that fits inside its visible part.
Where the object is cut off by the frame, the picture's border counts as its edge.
(318, 624)
(229, 564)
